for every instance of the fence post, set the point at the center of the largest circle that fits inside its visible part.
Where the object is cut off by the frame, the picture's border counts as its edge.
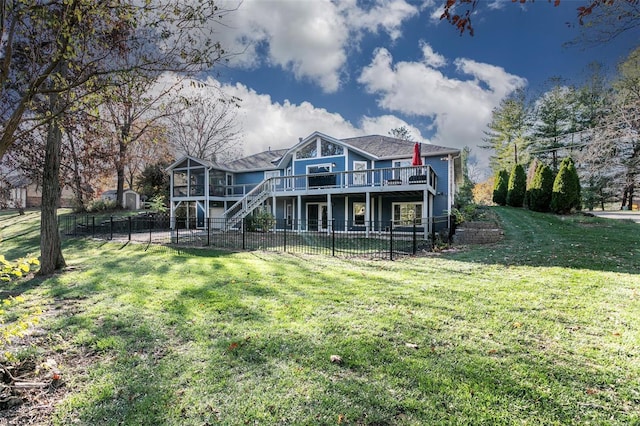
(391, 240)
(111, 227)
(244, 227)
(208, 231)
(177, 224)
(415, 242)
(150, 223)
(93, 226)
(285, 235)
(433, 231)
(129, 220)
(333, 237)
(75, 225)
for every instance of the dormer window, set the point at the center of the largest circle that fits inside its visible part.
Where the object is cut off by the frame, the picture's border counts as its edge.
(309, 151)
(319, 146)
(329, 149)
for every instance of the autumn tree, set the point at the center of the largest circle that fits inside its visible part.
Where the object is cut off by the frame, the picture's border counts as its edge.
(601, 20)
(205, 126)
(50, 48)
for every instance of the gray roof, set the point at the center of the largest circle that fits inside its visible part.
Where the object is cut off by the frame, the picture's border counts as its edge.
(262, 160)
(376, 146)
(388, 147)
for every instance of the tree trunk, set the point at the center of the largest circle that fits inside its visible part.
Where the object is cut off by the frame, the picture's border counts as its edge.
(120, 185)
(51, 258)
(624, 198)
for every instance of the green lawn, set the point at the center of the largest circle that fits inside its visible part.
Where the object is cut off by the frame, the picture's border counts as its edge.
(540, 329)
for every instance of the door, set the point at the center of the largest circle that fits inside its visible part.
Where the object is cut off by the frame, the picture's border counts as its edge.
(199, 215)
(317, 217)
(359, 179)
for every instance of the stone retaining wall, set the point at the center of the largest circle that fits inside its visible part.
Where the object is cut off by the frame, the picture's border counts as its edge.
(477, 233)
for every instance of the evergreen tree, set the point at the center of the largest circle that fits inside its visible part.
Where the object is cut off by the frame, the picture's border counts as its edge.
(464, 196)
(531, 172)
(517, 186)
(500, 188)
(507, 129)
(554, 119)
(566, 188)
(541, 189)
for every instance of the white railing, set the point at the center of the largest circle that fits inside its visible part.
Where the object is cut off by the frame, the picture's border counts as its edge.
(386, 177)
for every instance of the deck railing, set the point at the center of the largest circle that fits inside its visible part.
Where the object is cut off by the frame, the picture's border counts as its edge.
(384, 177)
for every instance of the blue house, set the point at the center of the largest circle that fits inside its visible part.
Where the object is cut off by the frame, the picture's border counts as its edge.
(320, 184)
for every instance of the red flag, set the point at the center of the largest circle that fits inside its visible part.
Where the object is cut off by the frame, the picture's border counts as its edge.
(416, 160)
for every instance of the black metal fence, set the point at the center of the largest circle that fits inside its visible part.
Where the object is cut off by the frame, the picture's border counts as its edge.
(335, 238)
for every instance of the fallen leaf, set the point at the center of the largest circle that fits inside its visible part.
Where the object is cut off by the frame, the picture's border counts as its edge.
(336, 359)
(591, 391)
(517, 325)
(340, 419)
(411, 345)
(232, 346)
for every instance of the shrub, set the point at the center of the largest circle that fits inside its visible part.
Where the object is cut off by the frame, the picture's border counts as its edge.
(541, 189)
(101, 205)
(517, 186)
(500, 188)
(531, 172)
(566, 188)
(260, 220)
(157, 204)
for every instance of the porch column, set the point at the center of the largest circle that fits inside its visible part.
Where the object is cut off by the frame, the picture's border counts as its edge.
(426, 211)
(346, 212)
(299, 201)
(329, 213)
(367, 212)
(273, 206)
(380, 228)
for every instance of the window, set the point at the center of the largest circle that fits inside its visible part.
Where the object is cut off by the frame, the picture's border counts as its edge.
(401, 174)
(325, 178)
(359, 213)
(196, 181)
(216, 183)
(328, 149)
(405, 213)
(309, 151)
(180, 183)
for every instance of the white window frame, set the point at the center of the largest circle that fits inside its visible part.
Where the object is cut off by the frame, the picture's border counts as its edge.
(397, 221)
(364, 214)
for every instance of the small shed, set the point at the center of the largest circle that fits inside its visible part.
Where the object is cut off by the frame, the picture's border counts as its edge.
(130, 199)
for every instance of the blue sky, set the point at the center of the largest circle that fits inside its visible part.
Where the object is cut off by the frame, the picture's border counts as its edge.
(347, 68)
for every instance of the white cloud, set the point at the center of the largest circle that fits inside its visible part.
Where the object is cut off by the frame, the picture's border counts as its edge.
(432, 58)
(308, 38)
(459, 107)
(267, 124)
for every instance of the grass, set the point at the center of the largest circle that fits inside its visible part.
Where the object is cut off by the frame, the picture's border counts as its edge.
(540, 329)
